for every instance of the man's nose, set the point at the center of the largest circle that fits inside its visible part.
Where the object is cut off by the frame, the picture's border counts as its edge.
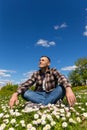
(40, 62)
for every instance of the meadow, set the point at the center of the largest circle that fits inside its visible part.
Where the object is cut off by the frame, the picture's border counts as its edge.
(50, 117)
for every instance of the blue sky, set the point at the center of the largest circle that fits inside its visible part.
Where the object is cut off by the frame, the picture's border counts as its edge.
(32, 28)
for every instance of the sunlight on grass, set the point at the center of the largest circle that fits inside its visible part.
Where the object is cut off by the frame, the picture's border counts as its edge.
(50, 117)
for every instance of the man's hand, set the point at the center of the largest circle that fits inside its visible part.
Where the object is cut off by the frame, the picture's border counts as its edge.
(70, 96)
(13, 100)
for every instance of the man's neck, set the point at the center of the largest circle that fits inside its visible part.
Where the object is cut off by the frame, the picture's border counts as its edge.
(44, 70)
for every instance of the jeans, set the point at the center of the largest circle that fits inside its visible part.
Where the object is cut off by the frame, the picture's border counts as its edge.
(45, 97)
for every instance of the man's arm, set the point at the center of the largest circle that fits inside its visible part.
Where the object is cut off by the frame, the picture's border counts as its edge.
(13, 100)
(24, 86)
(62, 80)
(70, 96)
(21, 88)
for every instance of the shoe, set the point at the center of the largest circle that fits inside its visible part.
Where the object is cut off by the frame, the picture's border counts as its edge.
(32, 105)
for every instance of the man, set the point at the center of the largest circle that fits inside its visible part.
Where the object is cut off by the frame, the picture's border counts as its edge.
(50, 86)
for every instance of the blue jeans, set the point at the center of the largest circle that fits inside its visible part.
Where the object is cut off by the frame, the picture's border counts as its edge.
(45, 97)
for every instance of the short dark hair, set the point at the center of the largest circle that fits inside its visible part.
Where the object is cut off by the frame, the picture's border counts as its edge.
(47, 58)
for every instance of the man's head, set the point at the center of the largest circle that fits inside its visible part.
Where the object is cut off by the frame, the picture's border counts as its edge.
(44, 62)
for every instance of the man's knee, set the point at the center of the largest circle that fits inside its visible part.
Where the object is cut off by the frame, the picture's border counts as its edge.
(26, 95)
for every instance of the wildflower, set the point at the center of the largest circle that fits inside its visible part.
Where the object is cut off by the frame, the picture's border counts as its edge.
(6, 121)
(71, 108)
(62, 111)
(16, 110)
(45, 111)
(34, 122)
(1, 115)
(62, 105)
(38, 121)
(66, 109)
(43, 122)
(63, 118)
(6, 116)
(82, 109)
(11, 111)
(23, 125)
(64, 124)
(72, 121)
(22, 121)
(86, 104)
(47, 127)
(53, 123)
(68, 114)
(16, 125)
(33, 128)
(17, 114)
(85, 114)
(39, 113)
(2, 127)
(11, 128)
(77, 113)
(62, 114)
(78, 119)
(79, 107)
(57, 116)
(29, 126)
(36, 116)
(54, 112)
(49, 117)
(13, 121)
(76, 103)
(43, 117)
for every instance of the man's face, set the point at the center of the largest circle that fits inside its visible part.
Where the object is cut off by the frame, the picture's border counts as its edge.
(44, 62)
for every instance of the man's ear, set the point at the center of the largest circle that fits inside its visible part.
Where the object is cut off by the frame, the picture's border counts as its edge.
(49, 64)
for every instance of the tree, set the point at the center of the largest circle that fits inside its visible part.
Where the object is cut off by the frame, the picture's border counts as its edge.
(78, 77)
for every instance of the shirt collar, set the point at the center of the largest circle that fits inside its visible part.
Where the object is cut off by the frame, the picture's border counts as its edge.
(48, 71)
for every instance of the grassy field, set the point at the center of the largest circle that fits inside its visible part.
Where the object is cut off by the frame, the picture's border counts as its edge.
(51, 117)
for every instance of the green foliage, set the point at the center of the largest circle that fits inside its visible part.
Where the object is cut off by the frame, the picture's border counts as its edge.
(78, 77)
(8, 89)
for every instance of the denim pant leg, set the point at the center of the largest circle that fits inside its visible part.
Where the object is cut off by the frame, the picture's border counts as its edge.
(53, 96)
(35, 97)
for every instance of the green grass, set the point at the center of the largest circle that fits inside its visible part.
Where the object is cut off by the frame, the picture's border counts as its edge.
(53, 113)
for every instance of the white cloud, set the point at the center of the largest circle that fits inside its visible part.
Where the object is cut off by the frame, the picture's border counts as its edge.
(63, 25)
(4, 82)
(10, 71)
(56, 27)
(45, 43)
(2, 74)
(85, 32)
(69, 68)
(86, 9)
(86, 27)
(29, 73)
(6, 73)
(52, 43)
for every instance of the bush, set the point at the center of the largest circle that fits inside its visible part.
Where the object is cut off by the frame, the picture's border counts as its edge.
(8, 89)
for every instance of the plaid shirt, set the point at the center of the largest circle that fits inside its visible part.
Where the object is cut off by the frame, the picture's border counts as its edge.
(52, 76)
